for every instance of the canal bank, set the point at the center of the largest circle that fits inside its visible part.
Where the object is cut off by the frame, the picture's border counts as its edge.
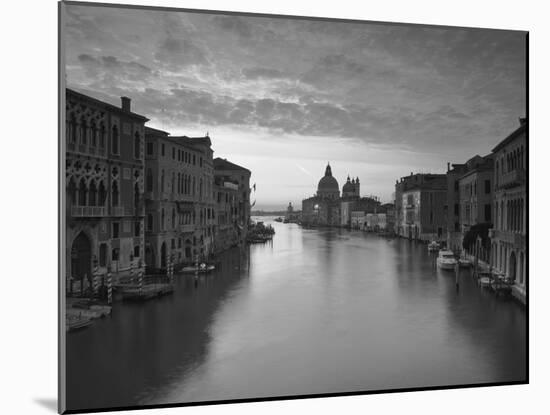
(313, 311)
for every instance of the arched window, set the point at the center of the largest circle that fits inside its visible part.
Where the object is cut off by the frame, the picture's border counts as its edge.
(162, 219)
(136, 196)
(101, 194)
(149, 222)
(149, 180)
(93, 134)
(137, 146)
(71, 193)
(82, 193)
(114, 194)
(71, 137)
(162, 181)
(92, 195)
(173, 182)
(114, 142)
(102, 136)
(173, 218)
(83, 131)
(502, 215)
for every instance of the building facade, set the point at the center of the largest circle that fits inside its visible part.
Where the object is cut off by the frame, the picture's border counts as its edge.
(420, 206)
(232, 177)
(179, 198)
(509, 234)
(104, 188)
(323, 209)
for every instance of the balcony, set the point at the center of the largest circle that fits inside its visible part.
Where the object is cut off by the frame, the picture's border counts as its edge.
(512, 179)
(189, 228)
(88, 211)
(125, 211)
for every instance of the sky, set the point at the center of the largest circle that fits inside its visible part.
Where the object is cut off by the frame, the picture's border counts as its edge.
(282, 97)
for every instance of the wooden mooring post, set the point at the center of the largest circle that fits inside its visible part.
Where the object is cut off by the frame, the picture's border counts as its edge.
(109, 288)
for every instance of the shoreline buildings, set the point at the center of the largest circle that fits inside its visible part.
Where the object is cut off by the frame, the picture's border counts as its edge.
(350, 210)
(420, 206)
(509, 233)
(104, 193)
(137, 196)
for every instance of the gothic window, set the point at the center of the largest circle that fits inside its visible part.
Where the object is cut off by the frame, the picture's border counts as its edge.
(162, 181)
(114, 194)
(114, 147)
(92, 194)
(101, 194)
(102, 136)
(162, 219)
(173, 218)
(136, 196)
(71, 191)
(149, 222)
(93, 135)
(82, 193)
(83, 131)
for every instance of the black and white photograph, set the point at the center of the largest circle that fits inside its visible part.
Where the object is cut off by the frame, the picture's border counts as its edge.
(258, 207)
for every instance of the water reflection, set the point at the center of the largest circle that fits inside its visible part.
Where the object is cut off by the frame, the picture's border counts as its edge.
(314, 311)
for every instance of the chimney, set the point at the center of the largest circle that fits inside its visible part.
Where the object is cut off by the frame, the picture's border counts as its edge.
(448, 166)
(125, 103)
(522, 121)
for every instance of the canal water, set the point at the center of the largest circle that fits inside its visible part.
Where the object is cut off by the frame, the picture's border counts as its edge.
(313, 311)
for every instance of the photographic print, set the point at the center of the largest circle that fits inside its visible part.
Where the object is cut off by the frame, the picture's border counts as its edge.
(259, 206)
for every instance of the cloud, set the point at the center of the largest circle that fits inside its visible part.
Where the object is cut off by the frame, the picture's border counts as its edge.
(262, 73)
(175, 53)
(110, 68)
(234, 24)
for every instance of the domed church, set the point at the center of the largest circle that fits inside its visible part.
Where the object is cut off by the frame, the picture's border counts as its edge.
(327, 208)
(328, 186)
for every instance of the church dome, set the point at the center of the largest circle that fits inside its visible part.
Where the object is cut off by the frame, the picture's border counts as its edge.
(348, 187)
(328, 185)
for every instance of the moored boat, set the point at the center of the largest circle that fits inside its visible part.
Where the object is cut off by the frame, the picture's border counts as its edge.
(446, 260)
(202, 268)
(433, 246)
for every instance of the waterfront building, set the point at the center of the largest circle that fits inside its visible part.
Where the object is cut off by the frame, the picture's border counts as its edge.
(475, 199)
(226, 231)
(420, 205)
(104, 189)
(291, 215)
(324, 207)
(327, 208)
(229, 172)
(509, 234)
(452, 206)
(389, 208)
(179, 198)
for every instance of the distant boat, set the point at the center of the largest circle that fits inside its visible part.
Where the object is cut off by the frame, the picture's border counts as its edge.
(202, 269)
(279, 220)
(446, 260)
(433, 246)
(75, 323)
(464, 263)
